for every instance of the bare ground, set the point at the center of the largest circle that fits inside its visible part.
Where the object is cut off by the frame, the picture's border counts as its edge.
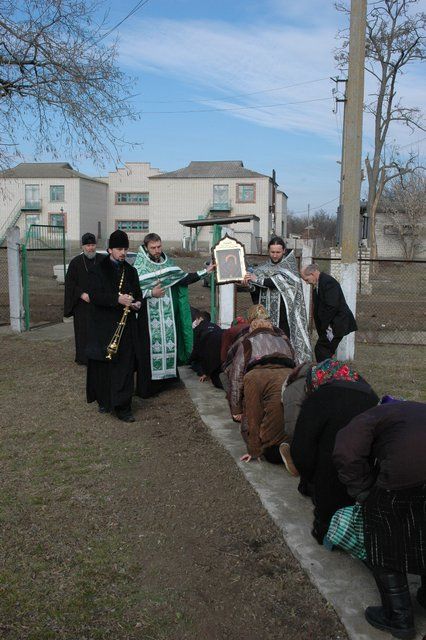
(143, 531)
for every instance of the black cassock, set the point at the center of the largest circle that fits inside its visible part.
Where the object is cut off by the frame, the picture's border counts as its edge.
(111, 383)
(76, 283)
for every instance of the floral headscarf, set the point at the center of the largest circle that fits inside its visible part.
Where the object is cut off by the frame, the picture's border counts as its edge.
(329, 371)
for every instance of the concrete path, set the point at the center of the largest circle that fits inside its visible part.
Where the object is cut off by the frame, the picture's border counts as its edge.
(345, 583)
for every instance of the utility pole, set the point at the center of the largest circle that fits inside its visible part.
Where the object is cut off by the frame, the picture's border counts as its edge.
(352, 150)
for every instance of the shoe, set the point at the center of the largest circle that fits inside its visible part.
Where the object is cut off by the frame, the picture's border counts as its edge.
(102, 409)
(288, 460)
(126, 418)
(421, 593)
(396, 614)
(376, 616)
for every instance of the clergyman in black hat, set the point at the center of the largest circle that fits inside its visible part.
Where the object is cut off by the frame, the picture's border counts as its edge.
(111, 348)
(77, 300)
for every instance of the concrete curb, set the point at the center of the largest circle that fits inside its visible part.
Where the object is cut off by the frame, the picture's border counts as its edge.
(344, 582)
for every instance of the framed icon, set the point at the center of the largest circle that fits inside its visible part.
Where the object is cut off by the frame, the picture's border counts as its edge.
(229, 257)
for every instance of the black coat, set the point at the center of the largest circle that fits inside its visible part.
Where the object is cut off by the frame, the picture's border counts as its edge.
(322, 415)
(106, 312)
(330, 308)
(394, 434)
(207, 344)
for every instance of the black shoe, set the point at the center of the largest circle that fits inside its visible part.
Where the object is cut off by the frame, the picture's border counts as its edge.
(376, 616)
(421, 594)
(126, 418)
(102, 409)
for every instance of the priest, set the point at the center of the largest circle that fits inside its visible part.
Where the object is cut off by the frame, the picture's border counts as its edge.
(77, 300)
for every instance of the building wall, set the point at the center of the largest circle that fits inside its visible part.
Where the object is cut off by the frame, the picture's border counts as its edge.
(175, 199)
(389, 244)
(13, 196)
(132, 178)
(93, 211)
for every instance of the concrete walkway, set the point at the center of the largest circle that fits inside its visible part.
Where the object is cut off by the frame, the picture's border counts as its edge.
(345, 583)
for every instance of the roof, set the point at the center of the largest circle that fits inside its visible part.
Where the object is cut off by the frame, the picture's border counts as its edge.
(44, 170)
(209, 222)
(214, 169)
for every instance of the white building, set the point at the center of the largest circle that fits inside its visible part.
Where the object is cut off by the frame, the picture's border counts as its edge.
(130, 199)
(52, 193)
(208, 189)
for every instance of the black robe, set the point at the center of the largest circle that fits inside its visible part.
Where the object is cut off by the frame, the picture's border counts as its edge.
(111, 383)
(255, 295)
(145, 386)
(76, 283)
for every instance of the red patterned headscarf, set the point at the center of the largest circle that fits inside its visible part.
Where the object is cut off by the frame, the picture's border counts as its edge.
(330, 370)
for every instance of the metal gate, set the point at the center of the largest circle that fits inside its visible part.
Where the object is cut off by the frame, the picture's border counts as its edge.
(43, 296)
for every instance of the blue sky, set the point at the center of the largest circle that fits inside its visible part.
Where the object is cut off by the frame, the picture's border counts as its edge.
(207, 56)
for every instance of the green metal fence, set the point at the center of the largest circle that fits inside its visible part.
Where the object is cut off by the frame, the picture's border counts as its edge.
(50, 240)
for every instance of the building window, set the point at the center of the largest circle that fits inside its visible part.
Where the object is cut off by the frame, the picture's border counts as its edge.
(246, 192)
(57, 193)
(32, 196)
(390, 230)
(132, 225)
(57, 219)
(221, 197)
(31, 218)
(131, 198)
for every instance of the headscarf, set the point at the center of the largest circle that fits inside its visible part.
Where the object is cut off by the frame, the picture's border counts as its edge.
(330, 370)
(260, 323)
(257, 312)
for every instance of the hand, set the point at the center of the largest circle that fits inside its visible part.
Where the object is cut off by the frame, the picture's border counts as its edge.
(249, 277)
(85, 297)
(136, 305)
(125, 299)
(238, 417)
(204, 378)
(158, 291)
(247, 458)
(211, 267)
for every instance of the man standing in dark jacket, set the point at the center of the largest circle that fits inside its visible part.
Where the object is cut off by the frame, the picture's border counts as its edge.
(332, 316)
(113, 287)
(77, 299)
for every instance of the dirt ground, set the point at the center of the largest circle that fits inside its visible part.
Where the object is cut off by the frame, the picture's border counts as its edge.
(145, 531)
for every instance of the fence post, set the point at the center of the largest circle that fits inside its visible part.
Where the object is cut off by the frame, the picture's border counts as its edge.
(14, 276)
(306, 259)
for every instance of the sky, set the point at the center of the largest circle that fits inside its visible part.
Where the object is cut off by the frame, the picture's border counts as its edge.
(244, 80)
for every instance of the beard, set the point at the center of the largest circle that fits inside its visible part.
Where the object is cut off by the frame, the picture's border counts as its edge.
(89, 254)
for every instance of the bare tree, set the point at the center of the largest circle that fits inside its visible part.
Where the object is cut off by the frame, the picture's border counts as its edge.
(404, 204)
(60, 87)
(322, 225)
(395, 38)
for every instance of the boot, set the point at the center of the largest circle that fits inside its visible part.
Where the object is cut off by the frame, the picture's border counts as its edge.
(421, 593)
(396, 615)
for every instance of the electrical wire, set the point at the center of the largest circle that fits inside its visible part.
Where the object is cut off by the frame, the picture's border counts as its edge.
(136, 8)
(318, 206)
(240, 95)
(263, 106)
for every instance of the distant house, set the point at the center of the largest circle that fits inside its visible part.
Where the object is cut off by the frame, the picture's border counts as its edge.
(52, 193)
(216, 189)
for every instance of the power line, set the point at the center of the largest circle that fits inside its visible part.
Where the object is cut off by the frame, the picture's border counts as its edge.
(263, 106)
(318, 206)
(136, 8)
(240, 95)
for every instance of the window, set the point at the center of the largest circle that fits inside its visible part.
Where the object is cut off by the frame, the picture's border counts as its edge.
(57, 193)
(131, 198)
(31, 218)
(390, 230)
(32, 196)
(246, 193)
(220, 197)
(132, 225)
(57, 219)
